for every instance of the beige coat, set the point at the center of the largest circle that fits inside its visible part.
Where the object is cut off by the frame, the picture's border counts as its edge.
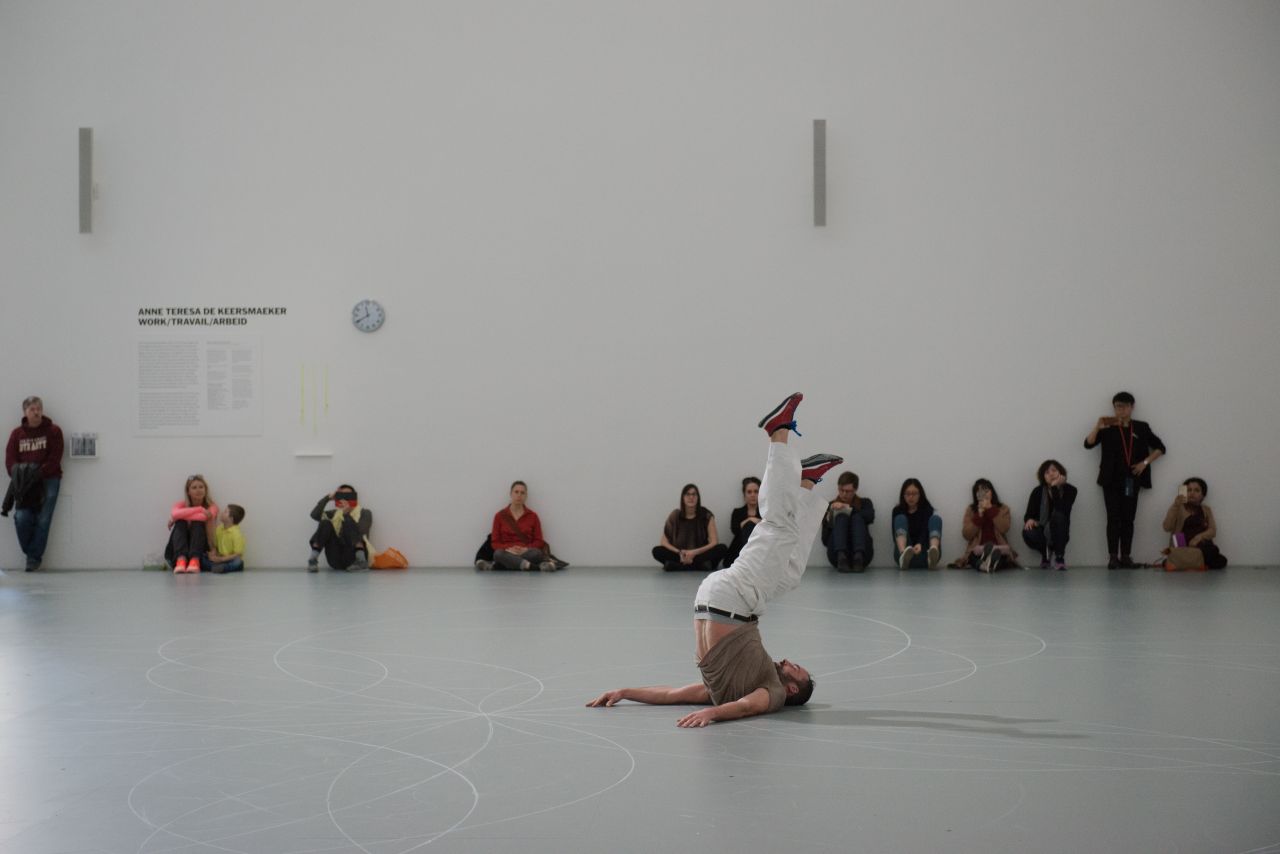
(1177, 517)
(972, 532)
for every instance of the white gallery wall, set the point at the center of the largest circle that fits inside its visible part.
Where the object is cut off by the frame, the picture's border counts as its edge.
(591, 227)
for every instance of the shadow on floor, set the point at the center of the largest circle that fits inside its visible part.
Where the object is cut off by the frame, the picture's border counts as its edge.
(943, 721)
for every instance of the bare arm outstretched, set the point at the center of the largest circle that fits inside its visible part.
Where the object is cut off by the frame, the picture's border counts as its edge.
(656, 695)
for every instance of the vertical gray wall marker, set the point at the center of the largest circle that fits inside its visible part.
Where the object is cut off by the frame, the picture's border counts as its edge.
(819, 171)
(86, 180)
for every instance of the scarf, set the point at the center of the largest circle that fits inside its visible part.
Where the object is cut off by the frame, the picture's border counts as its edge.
(339, 514)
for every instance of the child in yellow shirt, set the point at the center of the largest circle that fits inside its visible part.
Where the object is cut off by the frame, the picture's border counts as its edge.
(228, 552)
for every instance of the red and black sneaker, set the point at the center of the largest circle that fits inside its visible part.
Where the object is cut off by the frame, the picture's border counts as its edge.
(783, 415)
(813, 468)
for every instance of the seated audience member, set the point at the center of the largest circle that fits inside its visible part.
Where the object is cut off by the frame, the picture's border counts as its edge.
(517, 535)
(743, 520)
(917, 530)
(484, 554)
(1046, 526)
(1191, 522)
(191, 527)
(986, 528)
(227, 555)
(689, 539)
(343, 532)
(846, 529)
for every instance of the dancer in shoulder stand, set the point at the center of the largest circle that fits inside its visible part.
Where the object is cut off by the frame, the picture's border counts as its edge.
(739, 678)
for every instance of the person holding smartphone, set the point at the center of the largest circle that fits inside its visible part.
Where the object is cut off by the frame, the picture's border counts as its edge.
(1129, 447)
(1192, 524)
(986, 531)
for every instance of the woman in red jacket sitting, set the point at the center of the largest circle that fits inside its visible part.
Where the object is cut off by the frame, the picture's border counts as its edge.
(191, 526)
(517, 535)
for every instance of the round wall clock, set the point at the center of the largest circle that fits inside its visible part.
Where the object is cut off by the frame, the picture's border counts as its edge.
(368, 315)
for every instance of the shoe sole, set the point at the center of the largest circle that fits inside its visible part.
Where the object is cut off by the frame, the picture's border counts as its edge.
(824, 461)
(779, 408)
(820, 459)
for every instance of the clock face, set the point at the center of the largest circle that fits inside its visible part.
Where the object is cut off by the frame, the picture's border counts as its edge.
(368, 316)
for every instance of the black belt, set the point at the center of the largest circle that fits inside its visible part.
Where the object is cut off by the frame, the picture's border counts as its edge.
(742, 618)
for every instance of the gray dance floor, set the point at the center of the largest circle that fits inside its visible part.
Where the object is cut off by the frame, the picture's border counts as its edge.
(442, 710)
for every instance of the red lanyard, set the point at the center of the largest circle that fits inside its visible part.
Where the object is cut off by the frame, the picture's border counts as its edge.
(1128, 449)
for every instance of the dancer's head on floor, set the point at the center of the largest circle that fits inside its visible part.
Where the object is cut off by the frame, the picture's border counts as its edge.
(796, 681)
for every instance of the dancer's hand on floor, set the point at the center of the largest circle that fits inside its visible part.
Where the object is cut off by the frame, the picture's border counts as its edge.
(702, 717)
(608, 698)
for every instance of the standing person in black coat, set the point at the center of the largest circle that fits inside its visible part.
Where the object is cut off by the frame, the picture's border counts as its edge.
(1128, 450)
(1046, 526)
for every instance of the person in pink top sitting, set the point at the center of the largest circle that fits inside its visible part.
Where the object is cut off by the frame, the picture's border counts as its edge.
(191, 527)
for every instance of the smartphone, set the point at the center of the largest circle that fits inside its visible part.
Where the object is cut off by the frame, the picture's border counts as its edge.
(1182, 490)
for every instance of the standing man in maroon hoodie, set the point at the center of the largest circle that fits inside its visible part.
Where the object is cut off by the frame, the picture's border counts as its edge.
(36, 440)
